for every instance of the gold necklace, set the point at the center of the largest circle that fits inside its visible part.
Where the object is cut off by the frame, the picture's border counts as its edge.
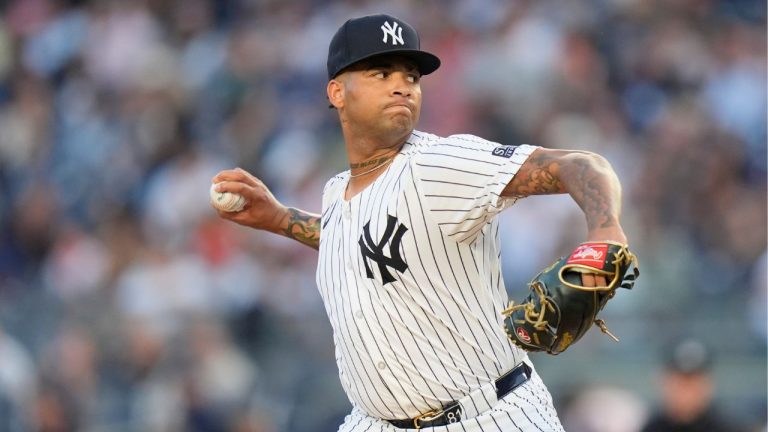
(372, 169)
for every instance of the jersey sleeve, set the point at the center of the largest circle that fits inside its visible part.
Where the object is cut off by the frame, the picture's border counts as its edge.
(329, 189)
(330, 201)
(460, 180)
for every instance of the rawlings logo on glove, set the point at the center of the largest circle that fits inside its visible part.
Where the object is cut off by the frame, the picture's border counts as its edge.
(589, 253)
(560, 309)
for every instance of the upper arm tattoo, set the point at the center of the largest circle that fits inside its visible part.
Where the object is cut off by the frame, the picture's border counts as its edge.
(303, 227)
(537, 176)
(588, 178)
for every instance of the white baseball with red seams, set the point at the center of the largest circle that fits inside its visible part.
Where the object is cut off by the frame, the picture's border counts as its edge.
(227, 201)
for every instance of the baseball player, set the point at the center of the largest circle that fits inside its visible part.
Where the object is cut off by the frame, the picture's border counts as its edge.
(408, 243)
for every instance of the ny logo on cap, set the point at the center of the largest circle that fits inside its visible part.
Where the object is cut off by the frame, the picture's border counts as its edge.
(389, 30)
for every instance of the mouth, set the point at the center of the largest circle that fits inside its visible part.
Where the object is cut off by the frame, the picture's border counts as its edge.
(400, 105)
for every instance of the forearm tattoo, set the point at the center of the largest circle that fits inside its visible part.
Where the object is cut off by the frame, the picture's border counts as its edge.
(588, 178)
(303, 227)
(595, 188)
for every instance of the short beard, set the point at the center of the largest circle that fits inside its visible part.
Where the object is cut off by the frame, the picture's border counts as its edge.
(402, 124)
(392, 130)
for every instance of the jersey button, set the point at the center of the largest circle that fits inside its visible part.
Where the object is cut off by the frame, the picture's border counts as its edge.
(382, 365)
(359, 314)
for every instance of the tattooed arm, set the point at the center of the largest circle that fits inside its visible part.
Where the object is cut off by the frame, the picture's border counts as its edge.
(263, 211)
(301, 226)
(587, 177)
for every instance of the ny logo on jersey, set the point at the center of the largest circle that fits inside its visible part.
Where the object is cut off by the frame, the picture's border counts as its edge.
(390, 29)
(375, 251)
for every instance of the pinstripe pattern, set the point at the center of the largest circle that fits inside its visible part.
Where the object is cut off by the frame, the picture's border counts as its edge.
(527, 409)
(429, 332)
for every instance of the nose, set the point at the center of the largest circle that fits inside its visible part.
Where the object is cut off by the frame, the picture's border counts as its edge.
(401, 86)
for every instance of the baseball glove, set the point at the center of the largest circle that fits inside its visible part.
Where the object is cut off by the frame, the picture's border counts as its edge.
(559, 309)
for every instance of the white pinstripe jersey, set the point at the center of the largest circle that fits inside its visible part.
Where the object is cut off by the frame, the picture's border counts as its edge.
(410, 276)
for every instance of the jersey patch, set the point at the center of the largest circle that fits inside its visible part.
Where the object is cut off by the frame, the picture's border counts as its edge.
(504, 151)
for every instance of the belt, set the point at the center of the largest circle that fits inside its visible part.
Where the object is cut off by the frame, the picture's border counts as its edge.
(452, 412)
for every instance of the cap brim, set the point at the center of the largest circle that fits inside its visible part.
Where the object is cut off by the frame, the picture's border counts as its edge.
(426, 62)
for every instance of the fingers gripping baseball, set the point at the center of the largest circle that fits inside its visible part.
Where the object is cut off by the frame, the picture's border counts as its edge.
(258, 209)
(226, 201)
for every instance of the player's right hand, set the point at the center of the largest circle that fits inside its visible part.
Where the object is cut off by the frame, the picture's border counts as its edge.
(262, 210)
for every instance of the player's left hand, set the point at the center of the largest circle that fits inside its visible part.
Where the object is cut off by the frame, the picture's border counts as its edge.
(566, 297)
(611, 234)
(593, 280)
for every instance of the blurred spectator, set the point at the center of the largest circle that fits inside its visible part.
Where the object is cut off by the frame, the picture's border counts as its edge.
(687, 389)
(162, 289)
(758, 305)
(604, 409)
(68, 397)
(219, 381)
(18, 386)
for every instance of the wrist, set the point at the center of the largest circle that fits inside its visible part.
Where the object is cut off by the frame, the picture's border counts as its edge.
(613, 234)
(280, 220)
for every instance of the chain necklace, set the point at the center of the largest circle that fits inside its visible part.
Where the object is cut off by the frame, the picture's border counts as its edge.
(372, 169)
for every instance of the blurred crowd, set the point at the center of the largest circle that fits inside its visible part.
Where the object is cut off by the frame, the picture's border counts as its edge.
(126, 305)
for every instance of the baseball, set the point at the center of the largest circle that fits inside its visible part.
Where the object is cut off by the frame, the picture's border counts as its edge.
(227, 201)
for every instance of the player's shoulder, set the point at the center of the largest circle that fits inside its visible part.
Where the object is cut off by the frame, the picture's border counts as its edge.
(423, 143)
(418, 142)
(470, 142)
(335, 182)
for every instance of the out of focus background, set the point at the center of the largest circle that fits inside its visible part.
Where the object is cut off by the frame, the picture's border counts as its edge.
(126, 305)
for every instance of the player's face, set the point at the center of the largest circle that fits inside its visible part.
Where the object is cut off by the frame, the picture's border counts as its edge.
(382, 95)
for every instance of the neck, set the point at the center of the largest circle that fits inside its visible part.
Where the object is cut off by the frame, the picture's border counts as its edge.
(371, 168)
(369, 151)
(368, 159)
(363, 172)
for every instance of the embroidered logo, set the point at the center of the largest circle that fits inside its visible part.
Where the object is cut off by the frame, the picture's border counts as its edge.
(375, 251)
(389, 30)
(592, 254)
(523, 335)
(504, 151)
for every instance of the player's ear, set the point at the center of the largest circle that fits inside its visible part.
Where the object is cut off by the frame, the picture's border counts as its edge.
(335, 91)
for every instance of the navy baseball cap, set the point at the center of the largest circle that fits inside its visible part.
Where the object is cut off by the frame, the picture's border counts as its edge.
(689, 356)
(362, 38)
